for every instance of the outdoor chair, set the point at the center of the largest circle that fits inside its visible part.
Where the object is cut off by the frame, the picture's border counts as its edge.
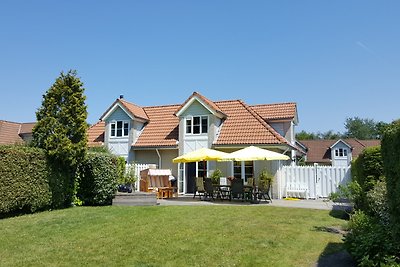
(248, 189)
(208, 188)
(263, 190)
(199, 187)
(237, 189)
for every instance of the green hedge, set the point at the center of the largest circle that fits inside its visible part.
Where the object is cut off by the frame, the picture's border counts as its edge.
(391, 157)
(98, 176)
(24, 185)
(367, 170)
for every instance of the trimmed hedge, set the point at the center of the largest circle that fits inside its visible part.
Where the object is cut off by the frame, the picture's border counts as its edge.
(98, 176)
(391, 157)
(367, 170)
(24, 185)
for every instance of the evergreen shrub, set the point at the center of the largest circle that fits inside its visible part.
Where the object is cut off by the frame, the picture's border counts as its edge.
(366, 170)
(24, 185)
(97, 176)
(391, 157)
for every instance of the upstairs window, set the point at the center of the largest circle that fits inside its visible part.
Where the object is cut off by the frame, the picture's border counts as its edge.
(197, 125)
(119, 129)
(340, 152)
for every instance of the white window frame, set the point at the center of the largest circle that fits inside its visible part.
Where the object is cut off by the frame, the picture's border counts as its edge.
(200, 125)
(243, 170)
(341, 153)
(115, 123)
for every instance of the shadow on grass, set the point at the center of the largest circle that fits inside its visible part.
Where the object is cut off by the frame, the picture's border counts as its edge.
(334, 254)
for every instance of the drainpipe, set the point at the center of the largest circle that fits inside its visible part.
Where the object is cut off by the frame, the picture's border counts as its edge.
(159, 158)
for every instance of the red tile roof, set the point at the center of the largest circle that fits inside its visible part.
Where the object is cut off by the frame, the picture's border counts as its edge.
(95, 134)
(276, 111)
(162, 129)
(244, 126)
(318, 151)
(134, 109)
(11, 132)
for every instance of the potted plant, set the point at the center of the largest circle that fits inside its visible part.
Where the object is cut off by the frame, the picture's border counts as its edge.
(215, 176)
(130, 177)
(265, 177)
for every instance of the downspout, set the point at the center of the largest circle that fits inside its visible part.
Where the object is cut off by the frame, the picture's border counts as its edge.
(159, 158)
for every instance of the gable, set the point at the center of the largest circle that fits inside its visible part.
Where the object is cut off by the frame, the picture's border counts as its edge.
(195, 108)
(340, 144)
(118, 115)
(206, 103)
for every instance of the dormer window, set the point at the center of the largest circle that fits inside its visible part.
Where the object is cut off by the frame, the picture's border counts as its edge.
(119, 129)
(340, 152)
(197, 125)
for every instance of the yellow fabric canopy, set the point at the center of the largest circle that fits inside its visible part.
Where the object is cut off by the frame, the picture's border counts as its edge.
(254, 153)
(202, 154)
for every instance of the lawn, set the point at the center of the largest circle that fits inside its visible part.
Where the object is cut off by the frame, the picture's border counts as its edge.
(169, 236)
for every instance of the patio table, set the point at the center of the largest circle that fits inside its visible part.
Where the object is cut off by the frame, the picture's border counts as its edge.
(223, 191)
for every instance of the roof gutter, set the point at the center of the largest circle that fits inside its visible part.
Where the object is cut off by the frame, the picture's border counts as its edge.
(159, 158)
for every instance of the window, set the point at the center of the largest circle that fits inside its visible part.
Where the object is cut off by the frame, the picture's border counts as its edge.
(189, 125)
(197, 125)
(202, 169)
(243, 169)
(119, 129)
(341, 152)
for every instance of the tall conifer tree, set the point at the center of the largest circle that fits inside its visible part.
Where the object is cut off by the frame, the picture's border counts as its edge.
(61, 125)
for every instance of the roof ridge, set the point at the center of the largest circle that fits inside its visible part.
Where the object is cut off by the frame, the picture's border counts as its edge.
(359, 141)
(265, 124)
(160, 106)
(11, 121)
(270, 104)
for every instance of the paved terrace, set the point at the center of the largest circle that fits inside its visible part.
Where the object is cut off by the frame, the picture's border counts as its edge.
(320, 204)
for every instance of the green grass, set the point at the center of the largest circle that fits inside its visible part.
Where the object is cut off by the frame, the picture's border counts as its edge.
(168, 236)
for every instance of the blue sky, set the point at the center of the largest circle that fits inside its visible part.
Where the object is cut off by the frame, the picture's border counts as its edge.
(336, 59)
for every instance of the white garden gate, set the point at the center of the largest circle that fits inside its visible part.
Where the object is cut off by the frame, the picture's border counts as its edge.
(316, 181)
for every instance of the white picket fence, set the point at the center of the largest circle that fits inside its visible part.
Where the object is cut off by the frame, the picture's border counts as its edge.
(138, 168)
(319, 181)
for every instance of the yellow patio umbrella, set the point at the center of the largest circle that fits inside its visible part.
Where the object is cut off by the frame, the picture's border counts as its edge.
(202, 154)
(252, 153)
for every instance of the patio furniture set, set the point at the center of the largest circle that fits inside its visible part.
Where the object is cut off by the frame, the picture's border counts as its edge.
(236, 189)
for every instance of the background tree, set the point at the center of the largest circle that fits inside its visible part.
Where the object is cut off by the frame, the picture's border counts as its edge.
(61, 125)
(363, 128)
(303, 135)
(355, 128)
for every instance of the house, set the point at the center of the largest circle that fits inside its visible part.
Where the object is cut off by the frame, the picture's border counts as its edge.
(335, 152)
(157, 134)
(15, 132)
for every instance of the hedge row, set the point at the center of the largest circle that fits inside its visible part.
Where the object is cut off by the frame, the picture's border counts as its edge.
(24, 185)
(29, 182)
(391, 157)
(366, 170)
(98, 176)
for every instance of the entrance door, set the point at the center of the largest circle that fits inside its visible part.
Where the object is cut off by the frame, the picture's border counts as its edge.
(190, 177)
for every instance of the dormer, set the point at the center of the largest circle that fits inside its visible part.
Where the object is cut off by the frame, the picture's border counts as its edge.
(123, 123)
(282, 117)
(199, 119)
(341, 153)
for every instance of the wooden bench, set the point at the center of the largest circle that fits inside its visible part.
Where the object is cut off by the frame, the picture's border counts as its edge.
(297, 188)
(157, 180)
